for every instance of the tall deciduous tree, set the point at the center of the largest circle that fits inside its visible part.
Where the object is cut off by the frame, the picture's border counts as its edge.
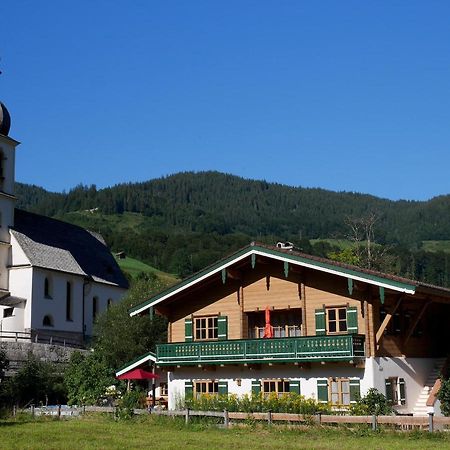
(119, 337)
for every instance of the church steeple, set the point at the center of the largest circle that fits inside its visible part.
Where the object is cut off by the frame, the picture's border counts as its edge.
(7, 198)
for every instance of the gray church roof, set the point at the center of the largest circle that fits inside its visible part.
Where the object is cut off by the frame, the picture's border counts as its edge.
(56, 245)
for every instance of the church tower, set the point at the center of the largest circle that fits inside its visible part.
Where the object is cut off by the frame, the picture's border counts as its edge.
(7, 198)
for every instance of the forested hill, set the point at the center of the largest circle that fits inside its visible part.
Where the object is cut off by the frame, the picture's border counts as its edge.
(212, 201)
(182, 222)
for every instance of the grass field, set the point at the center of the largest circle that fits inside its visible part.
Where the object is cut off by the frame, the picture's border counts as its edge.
(436, 246)
(134, 267)
(99, 432)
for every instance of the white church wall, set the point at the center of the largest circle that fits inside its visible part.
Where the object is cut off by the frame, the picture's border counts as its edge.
(20, 285)
(55, 304)
(18, 256)
(103, 293)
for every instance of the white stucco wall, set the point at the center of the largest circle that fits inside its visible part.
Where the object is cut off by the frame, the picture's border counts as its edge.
(307, 377)
(414, 370)
(56, 305)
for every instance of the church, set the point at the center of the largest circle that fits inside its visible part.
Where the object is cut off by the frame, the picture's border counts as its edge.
(55, 278)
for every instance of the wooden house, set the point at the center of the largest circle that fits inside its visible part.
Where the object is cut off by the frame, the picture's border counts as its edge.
(337, 330)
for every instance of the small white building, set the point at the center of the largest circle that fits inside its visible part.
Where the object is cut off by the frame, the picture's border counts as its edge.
(55, 278)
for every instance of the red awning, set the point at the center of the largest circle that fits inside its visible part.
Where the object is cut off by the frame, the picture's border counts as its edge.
(137, 374)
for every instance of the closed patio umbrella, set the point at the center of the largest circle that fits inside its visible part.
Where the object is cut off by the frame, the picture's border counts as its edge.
(268, 329)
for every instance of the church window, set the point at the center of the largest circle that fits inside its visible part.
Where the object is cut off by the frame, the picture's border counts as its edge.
(110, 302)
(69, 313)
(47, 288)
(94, 308)
(47, 321)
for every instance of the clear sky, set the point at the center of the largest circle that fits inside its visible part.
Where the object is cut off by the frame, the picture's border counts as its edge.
(342, 95)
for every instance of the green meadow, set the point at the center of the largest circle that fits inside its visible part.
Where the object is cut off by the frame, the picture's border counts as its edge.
(103, 432)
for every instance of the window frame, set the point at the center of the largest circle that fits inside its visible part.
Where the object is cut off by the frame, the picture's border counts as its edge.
(337, 320)
(211, 332)
(277, 384)
(48, 285)
(340, 392)
(211, 388)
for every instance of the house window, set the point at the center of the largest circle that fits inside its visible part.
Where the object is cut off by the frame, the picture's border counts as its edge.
(47, 321)
(279, 387)
(337, 320)
(8, 312)
(47, 288)
(339, 391)
(206, 328)
(163, 389)
(395, 391)
(94, 307)
(206, 387)
(109, 303)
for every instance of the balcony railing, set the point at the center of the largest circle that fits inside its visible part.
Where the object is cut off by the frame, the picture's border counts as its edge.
(295, 349)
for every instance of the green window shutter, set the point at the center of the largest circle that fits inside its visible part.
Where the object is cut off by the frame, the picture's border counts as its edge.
(388, 387)
(352, 320)
(355, 393)
(188, 389)
(322, 390)
(401, 385)
(256, 387)
(320, 322)
(188, 331)
(223, 387)
(294, 386)
(222, 328)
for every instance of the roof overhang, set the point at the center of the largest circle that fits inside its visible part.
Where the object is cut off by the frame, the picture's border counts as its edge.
(349, 272)
(150, 356)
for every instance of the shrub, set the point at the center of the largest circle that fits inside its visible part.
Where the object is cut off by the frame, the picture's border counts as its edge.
(289, 403)
(444, 396)
(373, 403)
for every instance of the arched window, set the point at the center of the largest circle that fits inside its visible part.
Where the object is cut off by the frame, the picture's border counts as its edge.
(94, 307)
(69, 313)
(47, 288)
(47, 321)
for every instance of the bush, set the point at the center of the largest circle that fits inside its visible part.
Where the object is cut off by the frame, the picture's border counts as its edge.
(289, 403)
(374, 403)
(444, 396)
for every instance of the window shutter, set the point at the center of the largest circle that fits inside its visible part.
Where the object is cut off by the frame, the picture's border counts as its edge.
(388, 386)
(223, 387)
(322, 390)
(188, 332)
(256, 387)
(401, 384)
(352, 320)
(222, 328)
(355, 393)
(188, 389)
(320, 322)
(294, 386)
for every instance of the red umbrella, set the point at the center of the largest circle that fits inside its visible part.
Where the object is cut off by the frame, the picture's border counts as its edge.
(137, 374)
(268, 329)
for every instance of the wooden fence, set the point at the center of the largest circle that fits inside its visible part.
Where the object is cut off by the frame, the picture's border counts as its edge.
(429, 423)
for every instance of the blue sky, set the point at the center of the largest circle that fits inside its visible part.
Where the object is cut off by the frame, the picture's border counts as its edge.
(342, 95)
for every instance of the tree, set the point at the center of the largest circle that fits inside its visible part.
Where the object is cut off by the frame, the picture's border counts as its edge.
(36, 382)
(87, 378)
(444, 396)
(119, 338)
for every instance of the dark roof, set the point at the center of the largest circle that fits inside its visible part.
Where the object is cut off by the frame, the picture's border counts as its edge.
(370, 276)
(56, 245)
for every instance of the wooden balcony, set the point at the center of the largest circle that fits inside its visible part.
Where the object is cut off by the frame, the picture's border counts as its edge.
(344, 348)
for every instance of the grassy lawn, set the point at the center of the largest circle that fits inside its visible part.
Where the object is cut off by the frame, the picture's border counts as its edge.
(98, 432)
(436, 246)
(134, 267)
